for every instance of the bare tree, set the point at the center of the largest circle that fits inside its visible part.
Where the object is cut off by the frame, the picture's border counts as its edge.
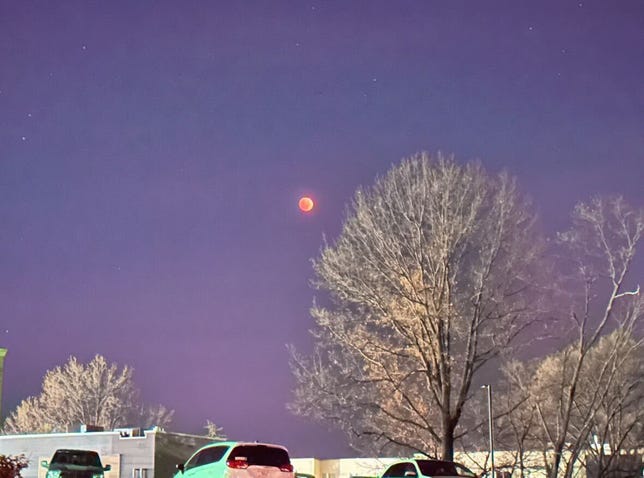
(590, 391)
(612, 390)
(213, 431)
(152, 415)
(430, 279)
(605, 417)
(516, 421)
(97, 393)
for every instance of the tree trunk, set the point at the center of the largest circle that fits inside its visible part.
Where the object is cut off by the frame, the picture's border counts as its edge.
(447, 442)
(554, 471)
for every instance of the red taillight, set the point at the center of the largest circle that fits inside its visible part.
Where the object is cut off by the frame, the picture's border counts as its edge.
(237, 464)
(288, 467)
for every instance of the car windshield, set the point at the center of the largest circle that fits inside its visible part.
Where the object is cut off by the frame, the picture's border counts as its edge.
(78, 458)
(443, 468)
(261, 455)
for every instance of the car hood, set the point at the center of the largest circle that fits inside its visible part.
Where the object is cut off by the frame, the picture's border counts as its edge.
(70, 467)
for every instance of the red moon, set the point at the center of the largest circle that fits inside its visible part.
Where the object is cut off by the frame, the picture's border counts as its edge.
(306, 204)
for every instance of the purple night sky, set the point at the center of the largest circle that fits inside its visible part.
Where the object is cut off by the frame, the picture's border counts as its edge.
(152, 155)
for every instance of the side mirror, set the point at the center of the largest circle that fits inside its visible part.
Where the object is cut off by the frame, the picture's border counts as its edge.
(107, 468)
(180, 467)
(44, 464)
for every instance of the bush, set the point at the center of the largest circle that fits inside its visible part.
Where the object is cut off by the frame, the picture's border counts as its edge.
(10, 466)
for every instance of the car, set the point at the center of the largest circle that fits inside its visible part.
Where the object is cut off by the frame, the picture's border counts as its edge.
(75, 464)
(419, 468)
(238, 460)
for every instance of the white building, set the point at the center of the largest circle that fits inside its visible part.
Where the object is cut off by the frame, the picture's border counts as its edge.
(132, 453)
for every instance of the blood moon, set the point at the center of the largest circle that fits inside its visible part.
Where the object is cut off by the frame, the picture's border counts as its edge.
(305, 204)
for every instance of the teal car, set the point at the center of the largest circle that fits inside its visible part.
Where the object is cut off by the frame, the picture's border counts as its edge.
(237, 460)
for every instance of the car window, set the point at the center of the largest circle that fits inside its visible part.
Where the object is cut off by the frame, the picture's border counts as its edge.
(411, 469)
(261, 455)
(211, 455)
(192, 462)
(78, 458)
(398, 470)
(443, 468)
(463, 471)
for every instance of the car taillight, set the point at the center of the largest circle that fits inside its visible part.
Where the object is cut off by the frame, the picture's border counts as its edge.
(288, 467)
(237, 464)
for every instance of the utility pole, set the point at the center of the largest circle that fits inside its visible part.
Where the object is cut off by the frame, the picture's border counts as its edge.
(490, 427)
(3, 352)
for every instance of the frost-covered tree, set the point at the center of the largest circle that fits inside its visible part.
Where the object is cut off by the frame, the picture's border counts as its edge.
(152, 415)
(432, 276)
(612, 393)
(96, 393)
(213, 431)
(590, 392)
(605, 417)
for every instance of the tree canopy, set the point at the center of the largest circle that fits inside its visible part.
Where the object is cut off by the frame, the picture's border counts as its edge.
(591, 390)
(96, 393)
(432, 276)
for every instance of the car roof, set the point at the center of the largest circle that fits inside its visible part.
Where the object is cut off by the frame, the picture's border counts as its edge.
(69, 450)
(416, 460)
(242, 443)
(434, 460)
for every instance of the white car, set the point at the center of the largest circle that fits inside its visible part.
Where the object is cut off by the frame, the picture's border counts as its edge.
(237, 460)
(419, 468)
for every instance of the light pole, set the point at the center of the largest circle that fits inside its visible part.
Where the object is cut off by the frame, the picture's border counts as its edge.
(3, 352)
(490, 427)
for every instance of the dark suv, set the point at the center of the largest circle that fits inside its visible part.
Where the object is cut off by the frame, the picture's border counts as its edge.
(75, 464)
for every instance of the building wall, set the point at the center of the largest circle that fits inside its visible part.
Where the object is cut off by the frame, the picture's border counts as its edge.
(131, 456)
(123, 453)
(478, 462)
(343, 467)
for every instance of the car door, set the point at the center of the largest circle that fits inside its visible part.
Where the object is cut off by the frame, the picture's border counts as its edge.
(190, 468)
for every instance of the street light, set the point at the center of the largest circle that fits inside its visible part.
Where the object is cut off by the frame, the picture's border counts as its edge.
(490, 426)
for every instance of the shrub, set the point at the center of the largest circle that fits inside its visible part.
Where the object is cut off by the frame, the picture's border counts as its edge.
(10, 466)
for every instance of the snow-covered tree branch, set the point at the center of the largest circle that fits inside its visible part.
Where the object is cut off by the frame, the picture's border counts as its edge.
(96, 393)
(434, 274)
